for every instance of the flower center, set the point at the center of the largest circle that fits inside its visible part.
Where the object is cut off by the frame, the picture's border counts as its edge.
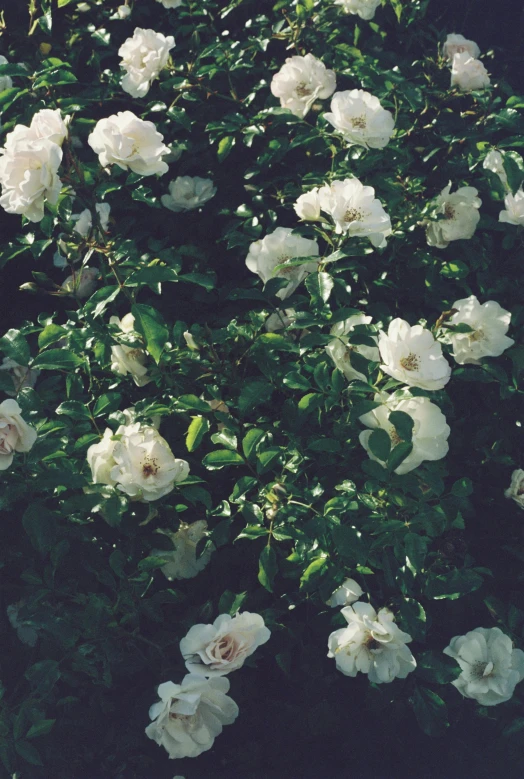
(352, 215)
(449, 211)
(410, 363)
(283, 259)
(303, 90)
(371, 643)
(359, 121)
(482, 670)
(477, 335)
(395, 438)
(150, 467)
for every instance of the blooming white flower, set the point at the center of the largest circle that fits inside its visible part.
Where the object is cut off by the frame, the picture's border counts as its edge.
(494, 161)
(131, 143)
(48, 124)
(28, 175)
(280, 320)
(461, 216)
(190, 715)
(515, 490)
(372, 644)
(218, 649)
(514, 211)
(170, 3)
(21, 375)
(128, 359)
(359, 117)
(468, 73)
(15, 434)
(489, 323)
(301, 81)
(143, 57)
(363, 8)
(491, 667)
(348, 592)
(456, 44)
(308, 205)
(182, 562)
(188, 192)
(81, 283)
(278, 248)
(340, 350)
(6, 82)
(429, 435)
(100, 458)
(411, 355)
(356, 211)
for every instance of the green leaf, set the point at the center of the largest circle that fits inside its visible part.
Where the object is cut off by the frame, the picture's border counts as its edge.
(253, 394)
(455, 269)
(151, 563)
(251, 439)
(15, 346)
(230, 602)
(252, 532)
(462, 487)
(99, 300)
(57, 359)
(320, 286)
(454, 584)
(437, 668)
(196, 432)
(413, 618)
(224, 147)
(192, 402)
(150, 324)
(74, 409)
(268, 567)
(431, 712)
(107, 403)
(380, 444)
(314, 570)
(50, 334)
(403, 424)
(40, 525)
(416, 549)
(349, 544)
(399, 454)
(28, 752)
(221, 458)
(41, 728)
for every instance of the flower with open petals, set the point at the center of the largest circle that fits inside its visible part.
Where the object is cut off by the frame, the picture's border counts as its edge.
(468, 73)
(411, 355)
(363, 8)
(494, 161)
(513, 214)
(15, 434)
(278, 248)
(340, 350)
(457, 44)
(359, 117)
(515, 490)
(489, 324)
(188, 192)
(355, 210)
(143, 57)
(131, 143)
(301, 81)
(29, 174)
(308, 205)
(460, 212)
(129, 359)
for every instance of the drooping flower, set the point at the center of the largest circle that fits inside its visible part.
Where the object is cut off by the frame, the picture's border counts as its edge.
(429, 435)
(355, 210)
(372, 644)
(413, 356)
(21, 375)
(461, 216)
(129, 359)
(301, 81)
(514, 211)
(468, 73)
(494, 161)
(487, 338)
(188, 192)
(457, 44)
(182, 562)
(143, 57)
(131, 143)
(491, 667)
(29, 175)
(278, 248)
(515, 490)
(348, 592)
(340, 350)
(363, 8)
(218, 649)
(359, 117)
(15, 434)
(190, 715)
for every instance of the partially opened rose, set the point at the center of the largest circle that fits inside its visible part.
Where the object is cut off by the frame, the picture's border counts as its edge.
(15, 434)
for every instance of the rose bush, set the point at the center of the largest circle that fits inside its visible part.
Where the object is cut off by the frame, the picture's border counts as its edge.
(264, 392)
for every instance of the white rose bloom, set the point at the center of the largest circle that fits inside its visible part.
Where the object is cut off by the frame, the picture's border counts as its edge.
(491, 667)
(15, 434)
(468, 73)
(515, 490)
(21, 375)
(411, 355)
(190, 715)
(363, 8)
(514, 212)
(356, 211)
(429, 436)
(280, 320)
(170, 3)
(301, 81)
(308, 205)
(28, 175)
(6, 82)
(494, 161)
(82, 283)
(278, 248)
(372, 644)
(49, 125)
(131, 143)
(188, 192)
(348, 592)
(129, 359)
(100, 458)
(489, 323)
(182, 562)
(340, 350)
(84, 220)
(456, 44)
(143, 57)
(461, 216)
(359, 117)
(218, 649)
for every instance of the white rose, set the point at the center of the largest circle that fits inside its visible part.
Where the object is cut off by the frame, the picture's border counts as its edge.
(170, 3)
(340, 350)
(123, 11)
(21, 375)
(411, 355)
(278, 248)
(15, 434)
(461, 216)
(456, 44)
(514, 212)
(129, 359)
(308, 205)
(182, 562)
(187, 193)
(491, 667)
(190, 715)
(100, 459)
(301, 81)
(372, 644)
(84, 220)
(49, 125)
(494, 161)
(280, 320)
(489, 323)
(131, 143)
(81, 283)
(348, 592)
(218, 649)
(515, 490)
(359, 117)
(28, 175)
(355, 210)
(363, 8)
(468, 73)
(6, 82)
(429, 436)
(143, 57)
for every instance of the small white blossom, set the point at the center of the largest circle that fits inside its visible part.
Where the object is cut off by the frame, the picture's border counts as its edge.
(372, 644)
(348, 592)
(182, 562)
(356, 211)
(468, 73)
(413, 356)
(461, 216)
(131, 143)
(489, 323)
(188, 192)
(143, 57)
(170, 3)
(359, 117)
(514, 211)
(363, 8)
(340, 350)
(308, 205)
(218, 649)
(301, 81)
(491, 667)
(122, 12)
(190, 715)
(15, 434)
(456, 44)
(515, 490)
(6, 82)
(21, 375)
(494, 161)
(278, 248)
(129, 359)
